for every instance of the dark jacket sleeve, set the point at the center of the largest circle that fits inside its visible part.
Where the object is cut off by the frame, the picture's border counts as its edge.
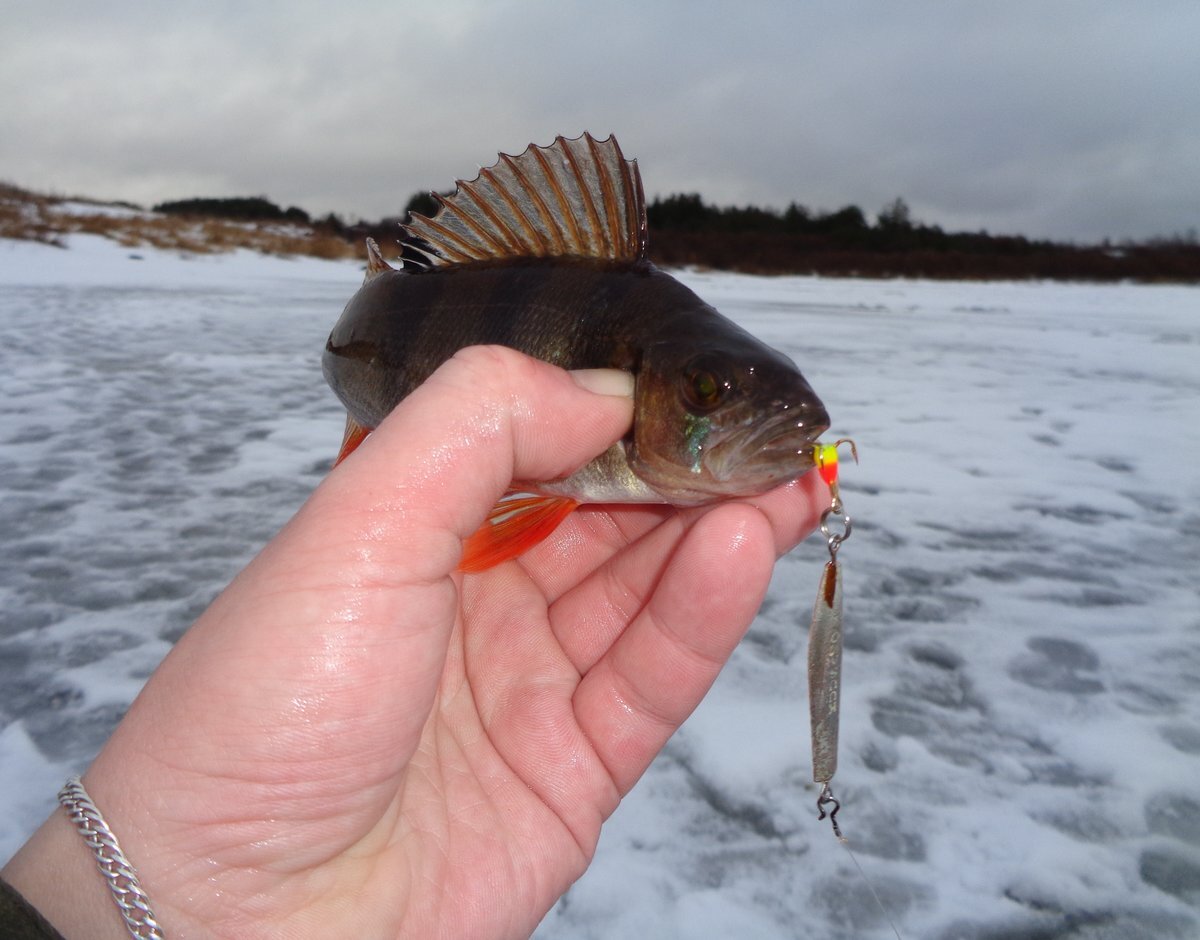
(19, 920)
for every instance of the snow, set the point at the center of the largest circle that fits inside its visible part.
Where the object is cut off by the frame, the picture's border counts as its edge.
(111, 210)
(1021, 700)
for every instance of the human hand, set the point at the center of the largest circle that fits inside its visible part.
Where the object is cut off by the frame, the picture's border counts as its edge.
(355, 740)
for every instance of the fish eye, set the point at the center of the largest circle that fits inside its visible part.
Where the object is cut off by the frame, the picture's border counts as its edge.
(705, 385)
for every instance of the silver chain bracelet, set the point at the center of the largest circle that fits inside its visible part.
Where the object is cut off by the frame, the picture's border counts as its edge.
(121, 876)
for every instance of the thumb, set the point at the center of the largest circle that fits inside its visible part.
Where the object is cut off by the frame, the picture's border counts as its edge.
(434, 468)
(329, 646)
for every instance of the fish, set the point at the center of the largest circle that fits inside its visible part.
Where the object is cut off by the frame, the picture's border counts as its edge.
(545, 252)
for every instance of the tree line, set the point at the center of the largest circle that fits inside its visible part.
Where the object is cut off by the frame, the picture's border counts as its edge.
(686, 230)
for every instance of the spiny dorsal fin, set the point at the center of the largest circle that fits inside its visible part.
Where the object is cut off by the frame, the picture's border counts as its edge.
(375, 263)
(577, 198)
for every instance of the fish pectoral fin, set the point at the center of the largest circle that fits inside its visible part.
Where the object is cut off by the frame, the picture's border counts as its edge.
(513, 527)
(355, 435)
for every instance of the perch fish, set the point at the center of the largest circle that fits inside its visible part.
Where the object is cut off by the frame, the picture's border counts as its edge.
(545, 252)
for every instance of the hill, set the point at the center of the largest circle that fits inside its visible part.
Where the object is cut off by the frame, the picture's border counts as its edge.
(28, 215)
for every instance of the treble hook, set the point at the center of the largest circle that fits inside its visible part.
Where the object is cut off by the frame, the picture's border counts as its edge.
(853, 447)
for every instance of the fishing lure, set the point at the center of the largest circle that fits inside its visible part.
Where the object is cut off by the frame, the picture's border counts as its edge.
(825, 658)
(825, 638)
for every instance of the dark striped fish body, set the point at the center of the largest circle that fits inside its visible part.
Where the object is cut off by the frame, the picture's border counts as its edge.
(576, 314)
(401, 326)
(545, 253)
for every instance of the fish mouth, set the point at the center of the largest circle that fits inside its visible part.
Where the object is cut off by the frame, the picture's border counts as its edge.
(758, 457)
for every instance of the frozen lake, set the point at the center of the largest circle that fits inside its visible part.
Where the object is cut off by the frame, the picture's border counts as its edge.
(1021, 700)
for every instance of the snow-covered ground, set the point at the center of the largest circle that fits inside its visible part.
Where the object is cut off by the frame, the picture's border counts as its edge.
(1021, 699)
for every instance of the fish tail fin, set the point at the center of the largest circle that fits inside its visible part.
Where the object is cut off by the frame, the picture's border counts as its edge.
(513, 526)
(355, 435)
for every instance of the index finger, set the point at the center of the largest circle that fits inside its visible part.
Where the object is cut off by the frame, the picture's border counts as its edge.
(657, 670)
(591, 536)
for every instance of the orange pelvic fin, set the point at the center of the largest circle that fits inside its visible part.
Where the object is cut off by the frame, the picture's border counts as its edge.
(513, 526)
(355, 435)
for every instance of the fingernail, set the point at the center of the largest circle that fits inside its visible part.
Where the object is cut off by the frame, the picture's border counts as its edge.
(604, 381)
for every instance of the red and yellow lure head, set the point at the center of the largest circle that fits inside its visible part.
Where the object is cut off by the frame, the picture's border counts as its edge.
(825, 456)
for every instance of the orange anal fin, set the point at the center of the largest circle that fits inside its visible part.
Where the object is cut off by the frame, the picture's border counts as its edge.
(355, 435)
(513, 527)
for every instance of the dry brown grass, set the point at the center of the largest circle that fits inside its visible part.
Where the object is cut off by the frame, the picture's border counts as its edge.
(26, 215)
(34, 217)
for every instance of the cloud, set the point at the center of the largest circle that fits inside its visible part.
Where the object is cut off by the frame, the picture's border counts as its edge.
(1071, 120)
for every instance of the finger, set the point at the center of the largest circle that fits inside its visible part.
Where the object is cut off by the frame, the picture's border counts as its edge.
(591, 536)
(432, 470)
(588, 616)
(586, 540)
(793, 509)
(655, 674)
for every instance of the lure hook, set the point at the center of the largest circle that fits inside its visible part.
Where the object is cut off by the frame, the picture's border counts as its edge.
(825, 456)
(824, 799)
(846, 440)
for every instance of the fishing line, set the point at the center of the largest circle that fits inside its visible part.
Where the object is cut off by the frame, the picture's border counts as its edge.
(870, 887)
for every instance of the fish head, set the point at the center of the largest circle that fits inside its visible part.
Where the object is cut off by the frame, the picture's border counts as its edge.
(727, 418)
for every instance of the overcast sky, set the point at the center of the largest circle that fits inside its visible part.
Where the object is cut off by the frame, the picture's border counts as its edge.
(1075, 120)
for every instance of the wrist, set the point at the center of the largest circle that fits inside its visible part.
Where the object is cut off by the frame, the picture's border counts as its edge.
(111, 861)
(56, 873)
(74, 871)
